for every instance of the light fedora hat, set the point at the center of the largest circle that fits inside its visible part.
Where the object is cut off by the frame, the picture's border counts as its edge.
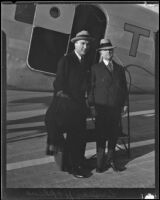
(82, 35)
(105, 44)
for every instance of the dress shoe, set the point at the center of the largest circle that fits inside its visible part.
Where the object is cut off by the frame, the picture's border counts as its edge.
(114, 167)
(110, 160)
(81, 173)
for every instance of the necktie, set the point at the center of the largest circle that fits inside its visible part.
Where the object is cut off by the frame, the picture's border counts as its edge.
(82, 59)
(110, 67)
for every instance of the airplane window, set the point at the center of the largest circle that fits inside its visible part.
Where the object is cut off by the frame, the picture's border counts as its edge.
(46, 48)
(25, 12)
(55, 12)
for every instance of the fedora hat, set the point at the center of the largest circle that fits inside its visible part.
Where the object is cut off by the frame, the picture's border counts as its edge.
(105, 44)
(82, 35)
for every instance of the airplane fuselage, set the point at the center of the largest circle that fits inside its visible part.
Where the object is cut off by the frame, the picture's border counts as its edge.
(39, 34)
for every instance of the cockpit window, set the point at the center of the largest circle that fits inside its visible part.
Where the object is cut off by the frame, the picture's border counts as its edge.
(46, 48)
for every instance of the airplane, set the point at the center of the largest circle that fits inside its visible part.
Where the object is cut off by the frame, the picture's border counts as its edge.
(38, 34)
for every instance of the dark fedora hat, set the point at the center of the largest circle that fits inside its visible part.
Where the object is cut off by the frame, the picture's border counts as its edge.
(82, 35)
(105, 44)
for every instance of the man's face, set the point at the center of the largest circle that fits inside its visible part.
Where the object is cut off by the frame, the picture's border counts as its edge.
(107, 54)
(82, 47)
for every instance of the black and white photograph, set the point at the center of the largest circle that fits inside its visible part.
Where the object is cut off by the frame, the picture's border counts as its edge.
(80, 100)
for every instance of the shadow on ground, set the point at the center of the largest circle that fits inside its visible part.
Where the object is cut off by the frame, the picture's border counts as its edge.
(121, 157)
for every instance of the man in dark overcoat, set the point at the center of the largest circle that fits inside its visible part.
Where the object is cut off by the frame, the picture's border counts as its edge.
(108, 94)
(71, 83)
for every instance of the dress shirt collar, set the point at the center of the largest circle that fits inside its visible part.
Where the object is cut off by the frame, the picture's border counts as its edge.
(106, 62)
(79, 57)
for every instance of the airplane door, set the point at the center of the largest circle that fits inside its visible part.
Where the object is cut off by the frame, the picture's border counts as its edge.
(92, 19)
(52, 25)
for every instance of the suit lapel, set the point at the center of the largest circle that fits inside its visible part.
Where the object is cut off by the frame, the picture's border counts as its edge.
(75, 58)
(106, 68)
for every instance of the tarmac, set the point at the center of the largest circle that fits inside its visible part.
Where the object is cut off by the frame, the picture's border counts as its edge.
(28, 169)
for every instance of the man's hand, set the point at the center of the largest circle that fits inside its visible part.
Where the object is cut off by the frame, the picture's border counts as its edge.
(124, 109)
(61, 94)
